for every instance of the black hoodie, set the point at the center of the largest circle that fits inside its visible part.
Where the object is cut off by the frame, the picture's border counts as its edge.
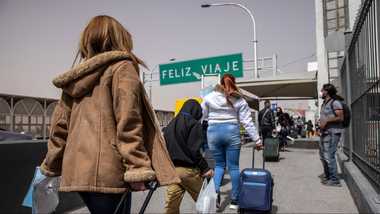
(184, 137)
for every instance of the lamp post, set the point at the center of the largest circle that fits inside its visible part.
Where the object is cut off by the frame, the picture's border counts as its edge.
(253, 24)
(150, 75)
(150, 80)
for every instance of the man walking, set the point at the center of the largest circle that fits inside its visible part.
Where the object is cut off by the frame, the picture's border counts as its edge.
(331, 125)
(300, 126)
(266, 121)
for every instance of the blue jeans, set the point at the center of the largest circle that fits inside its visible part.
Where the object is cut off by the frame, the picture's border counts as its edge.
(99, 203)
(327, 150)
(224, 143)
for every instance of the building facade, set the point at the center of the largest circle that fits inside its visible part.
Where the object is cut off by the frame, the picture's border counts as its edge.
(32, 115)
(333, 18)
(348, 47)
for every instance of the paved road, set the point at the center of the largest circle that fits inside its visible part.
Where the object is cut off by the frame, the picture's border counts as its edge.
(297, 187)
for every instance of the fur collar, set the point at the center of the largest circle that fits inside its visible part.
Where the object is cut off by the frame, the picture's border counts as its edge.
(89, 67)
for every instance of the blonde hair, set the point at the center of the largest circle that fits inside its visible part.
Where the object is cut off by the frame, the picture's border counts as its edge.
(104, 33)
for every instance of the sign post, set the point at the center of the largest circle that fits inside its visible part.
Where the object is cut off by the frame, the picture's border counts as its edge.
(193, 70)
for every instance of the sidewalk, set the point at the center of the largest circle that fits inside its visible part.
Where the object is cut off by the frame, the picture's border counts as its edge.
(297, 187)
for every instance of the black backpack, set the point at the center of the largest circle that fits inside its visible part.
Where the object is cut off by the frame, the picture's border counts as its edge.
(266, 120)
(346, 113)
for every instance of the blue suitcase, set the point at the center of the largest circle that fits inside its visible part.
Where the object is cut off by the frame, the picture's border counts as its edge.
(256, 189)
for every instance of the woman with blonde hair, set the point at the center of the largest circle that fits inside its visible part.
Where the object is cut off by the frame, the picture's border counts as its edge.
(225, 108)
(105, 138)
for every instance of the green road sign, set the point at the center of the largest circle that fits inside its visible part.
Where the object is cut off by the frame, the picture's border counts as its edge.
(192, 70)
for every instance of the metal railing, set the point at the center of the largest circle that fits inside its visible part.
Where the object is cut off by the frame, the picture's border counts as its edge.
(360, 78)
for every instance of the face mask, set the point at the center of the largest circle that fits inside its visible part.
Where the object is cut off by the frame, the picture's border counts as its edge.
(324, 97)
(321, 95)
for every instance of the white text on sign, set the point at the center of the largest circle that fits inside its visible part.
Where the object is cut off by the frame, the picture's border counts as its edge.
(228, 67)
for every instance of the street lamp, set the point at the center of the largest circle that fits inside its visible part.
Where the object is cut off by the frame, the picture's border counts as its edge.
(253, 24)
(150, 75)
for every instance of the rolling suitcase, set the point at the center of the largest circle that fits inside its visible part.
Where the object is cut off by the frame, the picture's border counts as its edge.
(120, 209)
(256, 189)
(272, 149)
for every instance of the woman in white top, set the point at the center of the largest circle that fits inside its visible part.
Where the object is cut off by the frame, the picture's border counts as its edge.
(224, 109)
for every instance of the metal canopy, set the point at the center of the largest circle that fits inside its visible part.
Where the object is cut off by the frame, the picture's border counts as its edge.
(283, 88)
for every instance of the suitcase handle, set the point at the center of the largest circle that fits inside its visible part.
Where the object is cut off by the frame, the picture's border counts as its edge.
(253, 155)
(151, 186)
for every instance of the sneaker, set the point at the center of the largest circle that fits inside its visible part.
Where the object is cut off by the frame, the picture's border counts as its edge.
(324, 180)
(322, 176)
(333, 184)
(234, 205)
(218, 201)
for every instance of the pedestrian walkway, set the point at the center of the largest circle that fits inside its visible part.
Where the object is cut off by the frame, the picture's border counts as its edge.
(297, 187)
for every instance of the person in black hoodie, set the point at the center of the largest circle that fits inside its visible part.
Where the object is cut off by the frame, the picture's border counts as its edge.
(184, 140)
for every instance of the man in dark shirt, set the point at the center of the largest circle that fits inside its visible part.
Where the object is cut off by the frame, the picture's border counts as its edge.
(266, 121)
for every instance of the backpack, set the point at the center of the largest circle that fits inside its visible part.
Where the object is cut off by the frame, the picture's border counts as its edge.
(346, 113)
(266, 120)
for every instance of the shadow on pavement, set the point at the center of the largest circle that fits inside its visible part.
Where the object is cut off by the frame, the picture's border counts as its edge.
(274, 209)
(340, 176)
(224, 205)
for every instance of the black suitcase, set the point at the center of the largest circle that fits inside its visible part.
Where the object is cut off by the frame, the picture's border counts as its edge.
(152, 186)
(256, 189)
(272, 148)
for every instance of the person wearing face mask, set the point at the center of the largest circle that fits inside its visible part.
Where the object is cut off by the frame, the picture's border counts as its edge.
(331, 125)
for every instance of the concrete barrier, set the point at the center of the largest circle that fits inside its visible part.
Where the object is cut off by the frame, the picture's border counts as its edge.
(17, 163)
(363, 193)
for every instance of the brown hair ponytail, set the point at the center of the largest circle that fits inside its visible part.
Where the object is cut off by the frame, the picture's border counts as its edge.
(229, 85)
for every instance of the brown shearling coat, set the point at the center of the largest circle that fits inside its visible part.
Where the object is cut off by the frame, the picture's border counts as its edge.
(104, 132)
